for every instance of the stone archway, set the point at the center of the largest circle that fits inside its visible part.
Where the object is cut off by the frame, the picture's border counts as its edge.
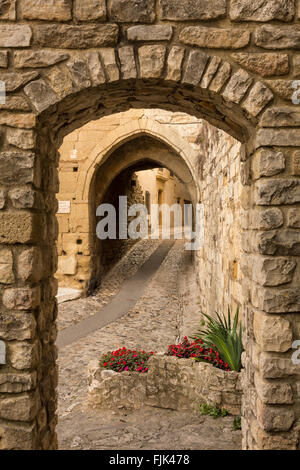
(79, 70)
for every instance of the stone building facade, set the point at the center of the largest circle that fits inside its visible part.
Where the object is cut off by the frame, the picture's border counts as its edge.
(233, 63)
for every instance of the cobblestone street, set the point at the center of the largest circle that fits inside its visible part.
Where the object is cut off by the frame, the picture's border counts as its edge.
(167, 310)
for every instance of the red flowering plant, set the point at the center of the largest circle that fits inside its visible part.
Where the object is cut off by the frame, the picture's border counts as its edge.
(124, 360)
(197, 350)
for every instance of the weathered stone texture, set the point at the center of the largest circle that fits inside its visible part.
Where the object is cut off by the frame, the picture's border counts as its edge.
(277, 300)
(79, 72)
(41, 95)
(281, 116)
(152, 61)
(281, 242)
(21, 298)
(237, 86)
(15, 35)
(274, 418)
(294, 218)
(21, 138)
(17, 383)
(221, 77)
(3, 59)
(259, 10)
(175, 60)
(272, 272)
(132, 11)
(203, 384)
(278, 191)
(53, 10)
(267, 219)
(21, 408)
(195, 66)
(8, 10)
(76, 37)
(276, 137)
(6, 266)
(192, 9)
(127, 61)
(267, 162)
(266, 65)
(272, 37)
(273, 393)
(24, 59)
(90, 10)
(19, 227)
(296, 164)
(257, 99)
(109, 60)
(213, 38)
(150, 33)
(16, 165)
(14, 81)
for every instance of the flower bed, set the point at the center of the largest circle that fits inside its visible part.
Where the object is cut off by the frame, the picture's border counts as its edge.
(170, 382)
(124, 360)
(196, 349)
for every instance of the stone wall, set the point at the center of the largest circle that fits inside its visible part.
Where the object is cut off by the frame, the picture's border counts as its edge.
(172, 383)
(230, 63)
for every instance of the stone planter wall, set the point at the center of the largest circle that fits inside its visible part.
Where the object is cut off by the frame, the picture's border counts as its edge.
(178, 384)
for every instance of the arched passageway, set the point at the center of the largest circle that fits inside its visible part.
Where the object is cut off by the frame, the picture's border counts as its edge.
(183, 68)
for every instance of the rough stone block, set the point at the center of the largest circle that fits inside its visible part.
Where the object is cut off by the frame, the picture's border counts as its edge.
(266, 65)
(3, 59)
(68, 265)
(127, 61)
(195, 66)
(214, 38)
(267, 219)
(15, 35)
(22, 298)
(14, 81)
(18, 437)
(274, 37)
(272, 333)
(16, 167)
(23, 121)
(279, 242)
(277, 137)
(23, 59)
(41, 95)
(175, 60)
(52, 10)
(296, 164)
(132, 11)
(192, 9)
(21, 408)
(108, 56)
(30, 265)
(17, 326)
(294, 218)
(150, 33)
(281, 116)
(274, 418)
(76, 37)
(221, 77)
(273, 393)
(6, 266)
(23, 355)
(8, 10)
(267, 162)
(79, 72)
(90, 10)
(21, 138)
(257, 99)
(237, 86)
(17, 383)
(277, 300)
(96, 69)
(273, 271)
(152, 61)
(277, 191)
(257, 10)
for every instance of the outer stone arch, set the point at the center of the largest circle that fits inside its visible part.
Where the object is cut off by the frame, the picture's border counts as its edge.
(92, 70)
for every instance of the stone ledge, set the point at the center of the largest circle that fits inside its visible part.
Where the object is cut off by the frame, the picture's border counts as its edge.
(171, 383)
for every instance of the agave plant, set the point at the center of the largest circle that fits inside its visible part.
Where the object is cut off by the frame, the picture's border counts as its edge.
(224, 335)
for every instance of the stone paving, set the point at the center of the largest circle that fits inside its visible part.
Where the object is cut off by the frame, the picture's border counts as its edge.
(167, 310)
